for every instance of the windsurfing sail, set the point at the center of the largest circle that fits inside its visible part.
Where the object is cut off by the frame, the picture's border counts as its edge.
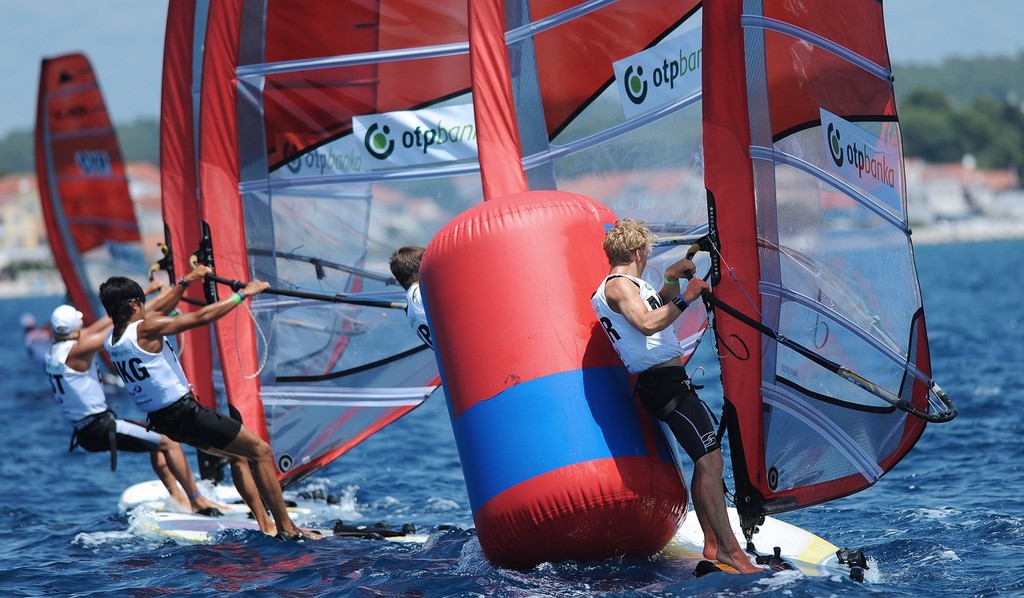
(90, 218)
(826, 368)
(290, 195)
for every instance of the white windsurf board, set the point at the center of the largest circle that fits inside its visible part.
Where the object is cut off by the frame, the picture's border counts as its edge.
(801, 549)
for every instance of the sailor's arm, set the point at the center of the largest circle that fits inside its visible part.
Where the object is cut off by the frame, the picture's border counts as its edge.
(673, 275)
(165, 302)
(156, 326)
(623, 297)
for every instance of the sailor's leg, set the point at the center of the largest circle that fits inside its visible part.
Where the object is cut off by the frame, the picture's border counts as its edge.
(261, 461)
(709, 500)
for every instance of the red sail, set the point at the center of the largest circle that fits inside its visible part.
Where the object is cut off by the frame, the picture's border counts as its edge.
(89, 215)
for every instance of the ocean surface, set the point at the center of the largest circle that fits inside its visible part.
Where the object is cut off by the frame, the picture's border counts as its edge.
(947, 521)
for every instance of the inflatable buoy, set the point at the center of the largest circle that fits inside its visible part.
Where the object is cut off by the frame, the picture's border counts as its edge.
(560, 462)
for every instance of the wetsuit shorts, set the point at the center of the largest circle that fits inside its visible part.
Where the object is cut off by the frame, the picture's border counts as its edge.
(189, 422)
(667, 394)
(131, 436)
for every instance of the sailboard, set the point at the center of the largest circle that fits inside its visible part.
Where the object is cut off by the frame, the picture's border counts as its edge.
(200, 529)
(87, 208)
(818, 312)
(729, 127)
(325, 358)
(146, 504)
(792, 548)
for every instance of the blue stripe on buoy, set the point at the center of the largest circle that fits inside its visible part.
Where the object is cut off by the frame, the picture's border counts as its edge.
(544, 424)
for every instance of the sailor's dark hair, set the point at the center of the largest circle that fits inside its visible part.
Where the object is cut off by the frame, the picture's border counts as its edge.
(405, 265)
(116, 295)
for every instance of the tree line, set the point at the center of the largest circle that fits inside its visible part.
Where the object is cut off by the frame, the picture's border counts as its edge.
(958, 107)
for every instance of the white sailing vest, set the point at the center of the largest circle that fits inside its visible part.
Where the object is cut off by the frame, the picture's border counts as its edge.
(417, 315)
(79, 394)
(155, 380)
(638, 352)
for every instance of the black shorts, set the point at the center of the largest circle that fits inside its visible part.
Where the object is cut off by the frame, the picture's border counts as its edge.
(667, 394)
(189, 422)
(130, 436)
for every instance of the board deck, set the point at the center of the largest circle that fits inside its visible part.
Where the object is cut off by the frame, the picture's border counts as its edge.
(201, 529)
(155, 516)
(801, 549)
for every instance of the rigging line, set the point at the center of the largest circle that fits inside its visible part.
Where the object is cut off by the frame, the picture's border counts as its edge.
(262, 337)
(947, 412)
(339, 298)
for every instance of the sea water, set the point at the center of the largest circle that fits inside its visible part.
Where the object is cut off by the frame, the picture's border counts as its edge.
(948, 520)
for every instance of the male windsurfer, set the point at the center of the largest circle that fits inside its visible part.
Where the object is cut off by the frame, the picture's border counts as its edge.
(71, 367)
(638, 319)
(37, 339)
(153, 376)
(405, 267)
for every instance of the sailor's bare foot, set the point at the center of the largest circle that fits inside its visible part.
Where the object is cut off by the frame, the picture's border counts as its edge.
(740, 562)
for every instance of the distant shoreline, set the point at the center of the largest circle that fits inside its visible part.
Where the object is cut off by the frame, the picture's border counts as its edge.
(967, 231)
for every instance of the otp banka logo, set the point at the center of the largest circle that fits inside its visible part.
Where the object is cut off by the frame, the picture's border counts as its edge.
(636, 85)
(661, 75)
(415, 137)
(378, 141)
(863, 158)
(835, 146)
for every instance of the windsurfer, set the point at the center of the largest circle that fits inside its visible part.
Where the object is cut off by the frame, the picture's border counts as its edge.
(405, 267)
(153, 376)
(638, 319)
(71, 367)
(37, 339)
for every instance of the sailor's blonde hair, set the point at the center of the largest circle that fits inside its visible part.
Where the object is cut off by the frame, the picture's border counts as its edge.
(626, 237)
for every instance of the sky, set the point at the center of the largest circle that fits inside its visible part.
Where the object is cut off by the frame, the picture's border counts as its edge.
(124, 41)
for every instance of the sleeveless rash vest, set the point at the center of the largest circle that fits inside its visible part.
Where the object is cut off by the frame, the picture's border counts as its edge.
(417, 315)
(155, 380)
(638, 352)
(79, 394)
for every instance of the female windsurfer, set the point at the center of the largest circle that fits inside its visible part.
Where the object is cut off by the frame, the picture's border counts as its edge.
(154, 378)
(637, 320)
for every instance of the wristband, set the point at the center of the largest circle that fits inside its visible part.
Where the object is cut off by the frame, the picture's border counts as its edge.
(237, 297)
(681, 303)
(183, 283)
(671, 282)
